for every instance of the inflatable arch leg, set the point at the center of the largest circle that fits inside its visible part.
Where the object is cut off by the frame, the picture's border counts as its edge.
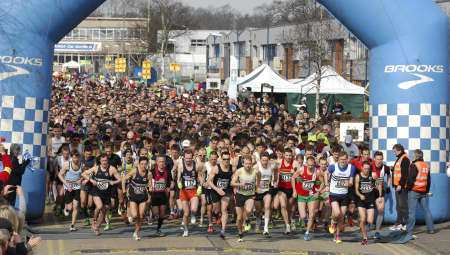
(29, 31)
(409, 101)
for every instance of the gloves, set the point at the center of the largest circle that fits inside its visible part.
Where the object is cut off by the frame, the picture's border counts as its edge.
(199, 190)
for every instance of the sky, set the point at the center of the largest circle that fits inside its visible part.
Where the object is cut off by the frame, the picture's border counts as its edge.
(245, 6)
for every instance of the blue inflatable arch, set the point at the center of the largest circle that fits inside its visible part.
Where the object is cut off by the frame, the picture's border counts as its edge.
(409, 102)
(409, 94)
(29, 29)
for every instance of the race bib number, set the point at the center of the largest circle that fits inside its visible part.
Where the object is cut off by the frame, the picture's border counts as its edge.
(342, 183)
(265, 184)
(189, 184)
(139, 189)
(160, 185)
(73, 185)
(286, 177)
(248, 187)
(308, 185)
(366, 187)
(223, 184)
(102, 184)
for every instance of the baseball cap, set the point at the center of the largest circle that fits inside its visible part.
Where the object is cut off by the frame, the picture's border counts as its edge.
(186, 143)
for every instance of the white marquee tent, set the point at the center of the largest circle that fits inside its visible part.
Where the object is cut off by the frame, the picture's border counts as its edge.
(330, 83)
(72, 65)
(264, 74)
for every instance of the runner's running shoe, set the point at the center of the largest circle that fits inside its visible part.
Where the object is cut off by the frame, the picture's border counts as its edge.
(332, 228)
(307, 237)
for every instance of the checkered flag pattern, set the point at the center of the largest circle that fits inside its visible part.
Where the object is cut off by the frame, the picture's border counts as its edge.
(24, 120)
(415, 126)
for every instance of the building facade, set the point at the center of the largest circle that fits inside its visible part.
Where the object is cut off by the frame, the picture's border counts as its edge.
(283, 48)
(188, 49)
(98, 41)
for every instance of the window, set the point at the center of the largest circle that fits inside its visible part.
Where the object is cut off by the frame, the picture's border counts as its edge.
(198, 43)
(96, 34)
(216, 50)
(123, 34)
(239, 49)
(269, 51)
(75, 33)
(102, 34)
(109, 34)
(83, 33)
(213, 85)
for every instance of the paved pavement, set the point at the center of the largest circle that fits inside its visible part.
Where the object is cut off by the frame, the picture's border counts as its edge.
(438, 243)
(59, 241)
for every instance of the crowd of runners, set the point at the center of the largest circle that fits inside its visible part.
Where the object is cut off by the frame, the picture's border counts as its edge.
(150, 154)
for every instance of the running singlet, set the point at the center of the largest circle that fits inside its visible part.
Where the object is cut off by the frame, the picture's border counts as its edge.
(189, 178)
(126, 168)
(72, 177)
(340, 179)
(102, 178)
(62, 161)
(160, 180)
(266, 178)
(366, 185)
(222, 179)
(381, 172)
(56, 144)
(249, 181)
(138, 185)
(306, 184)
(285, 175)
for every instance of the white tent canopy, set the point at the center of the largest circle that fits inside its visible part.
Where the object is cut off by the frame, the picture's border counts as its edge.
(330, 83)
(265, 75)
(71, 65)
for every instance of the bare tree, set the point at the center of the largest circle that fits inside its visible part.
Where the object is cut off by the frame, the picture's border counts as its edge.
(312, 34)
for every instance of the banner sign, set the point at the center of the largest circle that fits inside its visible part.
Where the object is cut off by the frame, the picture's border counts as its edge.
(78, 47)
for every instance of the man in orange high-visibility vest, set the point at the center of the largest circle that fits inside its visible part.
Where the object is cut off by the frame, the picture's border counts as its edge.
(418, 186)
(399, 177)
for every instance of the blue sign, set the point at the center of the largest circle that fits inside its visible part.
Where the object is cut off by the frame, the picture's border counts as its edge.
(77, 47)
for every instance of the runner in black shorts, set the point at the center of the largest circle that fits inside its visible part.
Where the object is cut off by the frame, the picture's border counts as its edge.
(381, 170)
(162, 183)
(263, 200)
(138, 193)
(88, 161)
(70, 176)
(220, 182)
(286, 167)
(365, 190)
(101, 178)
(341, 176)
(245, 180)
(211, 196)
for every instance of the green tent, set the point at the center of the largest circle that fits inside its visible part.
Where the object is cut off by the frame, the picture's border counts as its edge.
(333, 87)
(351, 103)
